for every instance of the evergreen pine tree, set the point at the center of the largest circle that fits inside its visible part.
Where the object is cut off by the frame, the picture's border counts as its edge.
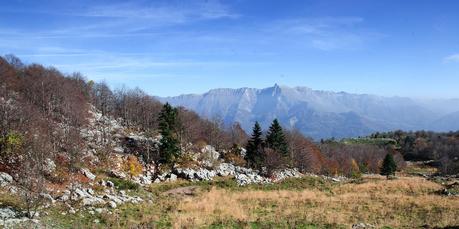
(169, 145)
(254, 148)
(276, 139)
(388, 167)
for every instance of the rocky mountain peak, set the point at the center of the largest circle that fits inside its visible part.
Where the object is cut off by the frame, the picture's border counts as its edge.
(321, 114)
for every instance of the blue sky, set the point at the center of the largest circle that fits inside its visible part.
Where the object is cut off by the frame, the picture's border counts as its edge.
(386, 47)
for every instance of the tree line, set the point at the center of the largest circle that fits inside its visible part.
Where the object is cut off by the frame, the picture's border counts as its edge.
(441, 148)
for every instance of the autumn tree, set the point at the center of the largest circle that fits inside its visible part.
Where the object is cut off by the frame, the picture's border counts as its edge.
(169, 144)
(30, 179)
(215, 135)
(305, 155)
(238, 135)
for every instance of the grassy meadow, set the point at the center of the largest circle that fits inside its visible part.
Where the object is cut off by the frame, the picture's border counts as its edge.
(307, 202)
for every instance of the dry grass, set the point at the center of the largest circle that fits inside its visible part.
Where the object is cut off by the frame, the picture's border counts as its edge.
(407, 202)
(403, 203)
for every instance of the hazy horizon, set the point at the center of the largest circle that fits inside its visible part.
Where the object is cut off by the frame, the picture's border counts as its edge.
(305, 86)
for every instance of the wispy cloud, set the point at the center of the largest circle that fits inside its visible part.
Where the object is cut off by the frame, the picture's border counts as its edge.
(326, 33)
(452, 58)
(127, 19)
(170, 13)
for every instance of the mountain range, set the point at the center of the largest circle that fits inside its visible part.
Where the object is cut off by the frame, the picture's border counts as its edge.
(322, 114)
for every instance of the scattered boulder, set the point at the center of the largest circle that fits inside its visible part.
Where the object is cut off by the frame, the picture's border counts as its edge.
(112, 204)
(250, 178)
(112, 198)
(167, 176)
(8, 213)
(286, 173)
(65, 196)
(118, 149)
(48, 197)
(118, 174)
(10, 218)
(195, 174)
(49, 166)
(109, 184)
(172, 177)
(88, 174)
(209, 152)
(226, 169)
(92, 201)
(362, 226)
(5, 179)
(243, 152)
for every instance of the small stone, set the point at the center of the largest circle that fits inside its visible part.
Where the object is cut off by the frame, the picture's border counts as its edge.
(110, 184)
(118, 150)
(112, 204)
(90, 191)
(99, 210)
(88, 174)
(172, 177)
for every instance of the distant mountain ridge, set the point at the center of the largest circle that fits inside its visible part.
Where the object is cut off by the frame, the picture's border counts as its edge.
(321, 114)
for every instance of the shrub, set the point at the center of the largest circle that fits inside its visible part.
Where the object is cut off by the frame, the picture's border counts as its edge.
(233, 156)
(132, 166)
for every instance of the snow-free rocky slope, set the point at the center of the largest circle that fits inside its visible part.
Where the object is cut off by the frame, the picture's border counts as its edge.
(319, 114)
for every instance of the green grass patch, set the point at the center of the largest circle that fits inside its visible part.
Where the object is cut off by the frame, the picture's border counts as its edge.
(371, 141)
(122, 184)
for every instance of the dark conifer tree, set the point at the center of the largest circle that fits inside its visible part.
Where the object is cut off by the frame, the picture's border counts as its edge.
(255, 148)
(168, 122)
(389, 166)
(276, 140)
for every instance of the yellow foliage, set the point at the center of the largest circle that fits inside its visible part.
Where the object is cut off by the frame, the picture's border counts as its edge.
(355, 170)
(133, 166)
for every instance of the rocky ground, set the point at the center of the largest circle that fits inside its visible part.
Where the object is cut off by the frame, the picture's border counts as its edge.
(93, 189)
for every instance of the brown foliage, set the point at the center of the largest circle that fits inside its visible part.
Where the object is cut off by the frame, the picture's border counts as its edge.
(305, 155)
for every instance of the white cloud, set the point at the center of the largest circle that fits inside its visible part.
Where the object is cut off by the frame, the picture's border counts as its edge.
(452, 58)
